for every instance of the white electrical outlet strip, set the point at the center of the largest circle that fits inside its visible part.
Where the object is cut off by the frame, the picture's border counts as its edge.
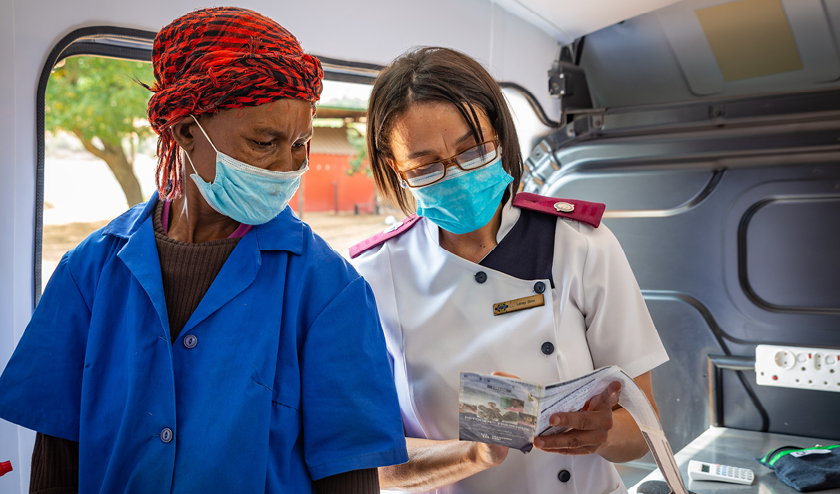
(798, 367)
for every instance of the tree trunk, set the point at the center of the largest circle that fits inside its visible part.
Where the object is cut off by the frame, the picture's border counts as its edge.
(114, 155)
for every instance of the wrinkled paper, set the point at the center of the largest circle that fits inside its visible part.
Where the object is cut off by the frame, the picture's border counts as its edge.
(510, 412)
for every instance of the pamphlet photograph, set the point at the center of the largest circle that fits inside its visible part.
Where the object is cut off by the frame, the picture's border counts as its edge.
(496, 410)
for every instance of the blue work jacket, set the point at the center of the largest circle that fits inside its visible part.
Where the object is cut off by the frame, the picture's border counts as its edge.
(280, 377)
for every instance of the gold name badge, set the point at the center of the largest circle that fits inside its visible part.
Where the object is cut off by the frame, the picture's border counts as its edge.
(518, 304)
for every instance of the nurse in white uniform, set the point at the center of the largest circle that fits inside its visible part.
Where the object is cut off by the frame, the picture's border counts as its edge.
(439, 130)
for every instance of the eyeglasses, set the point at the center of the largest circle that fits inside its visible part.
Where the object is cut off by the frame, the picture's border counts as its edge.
(473, 158)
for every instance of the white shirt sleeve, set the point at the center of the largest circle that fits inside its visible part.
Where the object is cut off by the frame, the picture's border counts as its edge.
(374, 267)
(619, 329)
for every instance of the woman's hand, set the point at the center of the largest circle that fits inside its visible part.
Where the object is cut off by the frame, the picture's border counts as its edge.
(487, 455)
(435, 464)
(588, 429)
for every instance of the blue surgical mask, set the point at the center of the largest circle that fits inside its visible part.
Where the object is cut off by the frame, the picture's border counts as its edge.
(248, 194)
(464, 201)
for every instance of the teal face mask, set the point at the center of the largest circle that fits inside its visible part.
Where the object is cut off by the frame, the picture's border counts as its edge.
(248, 194)
(464, 201)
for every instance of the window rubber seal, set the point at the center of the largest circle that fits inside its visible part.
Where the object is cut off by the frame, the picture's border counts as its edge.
(133, 45)
(77, 43)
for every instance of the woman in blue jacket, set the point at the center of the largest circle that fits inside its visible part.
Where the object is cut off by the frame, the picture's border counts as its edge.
(208, 340)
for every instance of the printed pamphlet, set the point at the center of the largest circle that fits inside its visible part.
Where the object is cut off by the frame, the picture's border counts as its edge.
(511, 412)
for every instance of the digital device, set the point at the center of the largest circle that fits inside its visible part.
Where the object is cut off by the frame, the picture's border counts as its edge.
(698, 470)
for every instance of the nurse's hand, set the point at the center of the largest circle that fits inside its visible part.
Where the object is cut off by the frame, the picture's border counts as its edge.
(588, 429)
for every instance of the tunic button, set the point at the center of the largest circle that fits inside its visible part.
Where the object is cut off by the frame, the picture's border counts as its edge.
(539, 287)
(166, 434)
(481, 276)
(190, 341)
(564, 476)
(548, 348)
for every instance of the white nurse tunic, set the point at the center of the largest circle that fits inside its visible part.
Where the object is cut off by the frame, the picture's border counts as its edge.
(438, 321)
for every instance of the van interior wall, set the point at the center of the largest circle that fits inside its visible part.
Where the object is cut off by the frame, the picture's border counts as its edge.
(730, 222)
(364, 31)
(665, 61)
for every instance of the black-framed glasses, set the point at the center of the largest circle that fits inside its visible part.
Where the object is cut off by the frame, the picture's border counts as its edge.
(471, 159)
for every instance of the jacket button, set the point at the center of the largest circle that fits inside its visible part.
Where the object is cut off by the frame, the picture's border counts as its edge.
(548, 348)
(166, 434)
(190, 341)
(539, 287)
(481, 276)
(564, 476)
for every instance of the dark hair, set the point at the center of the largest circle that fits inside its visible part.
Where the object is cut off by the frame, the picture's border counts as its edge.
(435, 74)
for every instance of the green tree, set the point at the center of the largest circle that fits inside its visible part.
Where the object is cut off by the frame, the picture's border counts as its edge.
(358, 164)
(98, 99)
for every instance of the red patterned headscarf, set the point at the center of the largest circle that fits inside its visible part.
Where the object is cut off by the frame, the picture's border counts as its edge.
(221, 58)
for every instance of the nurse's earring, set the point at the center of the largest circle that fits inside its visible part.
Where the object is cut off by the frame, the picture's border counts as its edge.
(403, 183)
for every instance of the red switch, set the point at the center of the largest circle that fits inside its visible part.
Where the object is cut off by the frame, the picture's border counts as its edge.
(5, 468)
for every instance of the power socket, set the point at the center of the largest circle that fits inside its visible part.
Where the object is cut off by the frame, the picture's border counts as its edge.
(798, 367)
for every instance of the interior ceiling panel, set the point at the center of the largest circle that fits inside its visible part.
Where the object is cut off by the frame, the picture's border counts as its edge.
(750, 38)
(715, 48)
(727, 48)
(567, 20)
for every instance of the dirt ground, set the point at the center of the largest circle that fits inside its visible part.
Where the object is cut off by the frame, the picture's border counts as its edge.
(340, 230)
(344, 230)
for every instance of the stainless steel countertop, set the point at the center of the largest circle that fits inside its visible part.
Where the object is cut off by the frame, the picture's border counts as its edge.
(738, 448)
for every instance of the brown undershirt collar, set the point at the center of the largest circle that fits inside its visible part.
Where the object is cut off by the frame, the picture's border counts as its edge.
(187, 270)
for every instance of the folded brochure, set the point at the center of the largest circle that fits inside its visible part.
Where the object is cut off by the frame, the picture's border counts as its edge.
(510, 412)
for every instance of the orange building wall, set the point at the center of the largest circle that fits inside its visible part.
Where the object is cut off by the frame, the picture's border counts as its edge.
(319, 191)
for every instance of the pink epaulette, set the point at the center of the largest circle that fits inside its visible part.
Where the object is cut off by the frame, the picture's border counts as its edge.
(583, 211)
(392, 231)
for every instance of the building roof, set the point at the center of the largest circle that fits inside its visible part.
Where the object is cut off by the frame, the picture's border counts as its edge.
(329, 140)
(339, 112)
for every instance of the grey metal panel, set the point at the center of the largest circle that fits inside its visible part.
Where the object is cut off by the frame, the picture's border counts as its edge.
(684, 408)
(791, 264)
(688, 259)
(632, 63)
(791, 410)
(814, 327)
(634, 190)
